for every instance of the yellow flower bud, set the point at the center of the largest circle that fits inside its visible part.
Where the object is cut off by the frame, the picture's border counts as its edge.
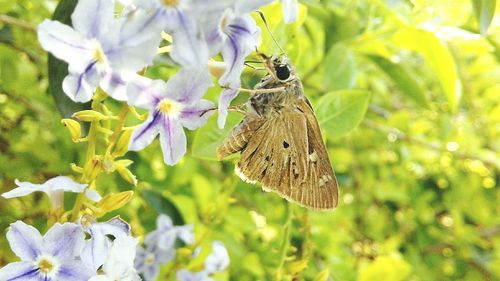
(93, 168)
(323, 275)
(122, 144)
(112, 201)
(297, 266)
(89, 116)
(74, 128)
(184, 252)
(126, 174)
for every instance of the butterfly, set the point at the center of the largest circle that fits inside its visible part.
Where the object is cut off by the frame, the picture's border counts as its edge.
(280, 141)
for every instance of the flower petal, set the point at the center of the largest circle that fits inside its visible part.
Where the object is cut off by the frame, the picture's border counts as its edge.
(65, 44)
(64, 241)
(187, 48)
(188, 85)
(290, 10)
(185, 275)
(22, 189)
(25, 241)
(120, 261)
(185, 233)
(93, 195)
(242, 34)
(218, 260)
(144, 92)
(80, 87)
(95, 250)
(164, 222)
(166, 240)
(172, 140)
(65, 184)
(195, 115)
(74, 270)
(225, 99)
(146, 133)
(114, 83)
(92, 18)
(20, 271)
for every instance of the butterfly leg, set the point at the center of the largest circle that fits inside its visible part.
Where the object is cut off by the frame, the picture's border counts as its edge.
(258, 91)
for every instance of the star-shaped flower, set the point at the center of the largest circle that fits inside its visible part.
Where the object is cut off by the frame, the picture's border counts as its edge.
(172, 105)
(53, 257)
(101, 49)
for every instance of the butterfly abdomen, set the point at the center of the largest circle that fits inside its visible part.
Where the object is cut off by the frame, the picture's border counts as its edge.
(238, 137)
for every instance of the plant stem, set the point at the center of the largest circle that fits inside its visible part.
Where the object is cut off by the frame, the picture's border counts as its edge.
(285, 242)
(119, 126)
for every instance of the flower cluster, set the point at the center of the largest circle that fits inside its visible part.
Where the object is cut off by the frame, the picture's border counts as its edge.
(109, 253)
(107, 51)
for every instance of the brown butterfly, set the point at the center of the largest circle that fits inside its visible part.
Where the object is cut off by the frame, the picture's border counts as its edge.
(280, 141)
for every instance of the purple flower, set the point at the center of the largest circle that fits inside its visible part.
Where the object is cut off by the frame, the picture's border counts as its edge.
(96, 249)
(101, 50)
(166, 233)
(217, 261)
(172, 105)
(53, 257)
(148, 260)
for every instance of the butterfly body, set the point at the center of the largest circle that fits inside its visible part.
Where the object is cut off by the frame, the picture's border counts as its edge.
(281, 144)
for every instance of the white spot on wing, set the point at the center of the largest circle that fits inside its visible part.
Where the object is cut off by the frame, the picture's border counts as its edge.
(313, 156)
(244, 178)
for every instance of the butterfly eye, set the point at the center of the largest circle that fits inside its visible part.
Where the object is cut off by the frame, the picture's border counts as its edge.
(282, 72)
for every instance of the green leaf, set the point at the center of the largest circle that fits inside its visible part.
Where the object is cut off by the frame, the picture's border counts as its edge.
(437, 56)
(340, 68)
(163, 205)
(408, 84)
(484, 10)
(339, 112)
(209, 137)
(59, 69)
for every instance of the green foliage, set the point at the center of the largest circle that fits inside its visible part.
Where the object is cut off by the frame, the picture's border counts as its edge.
(407, 95)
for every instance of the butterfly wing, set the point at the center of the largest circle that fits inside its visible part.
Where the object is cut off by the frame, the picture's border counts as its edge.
(286, 154)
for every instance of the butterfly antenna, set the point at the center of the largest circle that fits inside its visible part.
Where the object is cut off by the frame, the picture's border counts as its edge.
(269, 30)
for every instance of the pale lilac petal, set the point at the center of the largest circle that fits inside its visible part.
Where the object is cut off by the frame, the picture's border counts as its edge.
(247, 6)
(120, 260)
(290, 10)
(93, 195)
(93, 18)
(195, 115)
(166, 240)
(116, 227)
(144, 92)
(188, 85)
(65, 44)
(172, 140)
(114, 83)
(25, 241)
(164, 222)
(80, 87)
(23, 189)
(65, 184)
(102, 278)
(20, 271)
(187, 48)
(74, 270)
(218, 260)
(64, 241)
(242, 34)
(95, 250)
(225, 99)
(185, 233)
(146, 133)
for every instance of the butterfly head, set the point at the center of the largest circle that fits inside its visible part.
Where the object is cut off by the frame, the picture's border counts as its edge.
(278, 67)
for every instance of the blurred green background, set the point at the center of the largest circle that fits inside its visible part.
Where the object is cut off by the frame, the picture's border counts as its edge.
(408, 97)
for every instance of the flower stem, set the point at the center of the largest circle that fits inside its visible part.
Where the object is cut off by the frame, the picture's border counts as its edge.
(119, 126)
(285, 242)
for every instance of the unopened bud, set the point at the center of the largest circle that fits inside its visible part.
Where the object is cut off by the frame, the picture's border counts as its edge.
(76, 168)
(122, 144)
(89, 116)
(126, 174)
(112, 202)
(323, 275)
(93, 168)
(184, 252)
(74, 128)
(297, 266)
